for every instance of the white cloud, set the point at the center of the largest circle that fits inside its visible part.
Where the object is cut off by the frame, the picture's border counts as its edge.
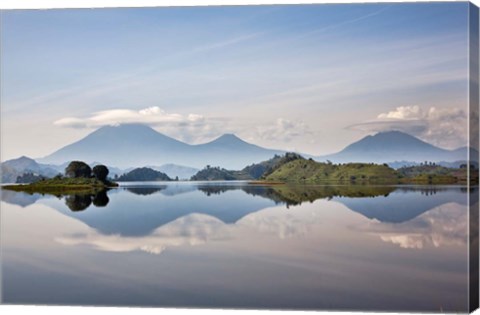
(444, 127)
(151, 115)
(403, 112)
(191, 128)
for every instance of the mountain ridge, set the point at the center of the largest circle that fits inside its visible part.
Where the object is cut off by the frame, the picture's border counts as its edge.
(136, 145)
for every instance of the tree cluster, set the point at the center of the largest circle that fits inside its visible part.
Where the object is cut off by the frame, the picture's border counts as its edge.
(76, 169)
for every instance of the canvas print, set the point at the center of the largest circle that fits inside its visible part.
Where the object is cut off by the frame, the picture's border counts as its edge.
(299, 157)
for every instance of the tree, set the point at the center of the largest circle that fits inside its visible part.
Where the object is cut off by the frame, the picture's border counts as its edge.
(78, 169)
(100, 172)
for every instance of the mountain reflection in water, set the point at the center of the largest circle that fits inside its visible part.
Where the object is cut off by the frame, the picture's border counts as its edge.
(230, 244)
(383, 203)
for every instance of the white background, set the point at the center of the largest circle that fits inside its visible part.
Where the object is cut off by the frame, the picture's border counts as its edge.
(54, 310)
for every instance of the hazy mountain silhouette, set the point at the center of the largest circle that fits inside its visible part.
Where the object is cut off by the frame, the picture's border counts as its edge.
(12, 168)
(134, 145)
(393, 146)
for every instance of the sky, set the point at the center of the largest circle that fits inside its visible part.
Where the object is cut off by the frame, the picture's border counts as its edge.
(310, 78)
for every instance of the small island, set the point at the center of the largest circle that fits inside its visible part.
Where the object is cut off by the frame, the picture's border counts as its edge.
(79, 177)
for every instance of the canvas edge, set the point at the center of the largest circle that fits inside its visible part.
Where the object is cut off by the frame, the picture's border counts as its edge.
(473, 143)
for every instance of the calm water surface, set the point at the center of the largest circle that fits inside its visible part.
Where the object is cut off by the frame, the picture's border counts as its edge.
(241, 246)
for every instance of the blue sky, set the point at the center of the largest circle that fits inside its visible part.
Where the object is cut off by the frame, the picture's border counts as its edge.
(312, 78)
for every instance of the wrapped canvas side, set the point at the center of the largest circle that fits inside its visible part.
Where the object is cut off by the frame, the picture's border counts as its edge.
(473, 154)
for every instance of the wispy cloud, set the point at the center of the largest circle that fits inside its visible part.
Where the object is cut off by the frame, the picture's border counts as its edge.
(225, 43)
(311, 66)
(347, 22)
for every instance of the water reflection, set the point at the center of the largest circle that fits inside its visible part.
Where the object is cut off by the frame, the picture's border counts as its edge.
(145, 191)
(165, 211)
(445, 225)
(292, 195)
(191, 230)
(260, 246)
(80, 202)
(373, 202)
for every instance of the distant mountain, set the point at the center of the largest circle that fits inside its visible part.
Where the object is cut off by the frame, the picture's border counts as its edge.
(11, 169)
(393, 146)
(455, 164)
(135, 145)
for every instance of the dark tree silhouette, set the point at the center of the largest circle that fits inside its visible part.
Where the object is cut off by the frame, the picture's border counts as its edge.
(78, 202)
(78, 169)
(100, 172)
(101, 199)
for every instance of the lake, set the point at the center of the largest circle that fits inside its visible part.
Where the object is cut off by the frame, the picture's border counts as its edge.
(235, 245)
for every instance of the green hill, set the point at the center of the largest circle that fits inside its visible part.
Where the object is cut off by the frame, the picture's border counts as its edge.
(143, 174)
(215, 173)
(250, 172)
(293, 168)
(309, 171)
(256, 171)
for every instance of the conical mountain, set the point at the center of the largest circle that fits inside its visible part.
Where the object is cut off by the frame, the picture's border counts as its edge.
(394, 146)
(136, 145)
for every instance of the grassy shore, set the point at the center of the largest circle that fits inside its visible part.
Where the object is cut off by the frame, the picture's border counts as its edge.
(59, 186)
